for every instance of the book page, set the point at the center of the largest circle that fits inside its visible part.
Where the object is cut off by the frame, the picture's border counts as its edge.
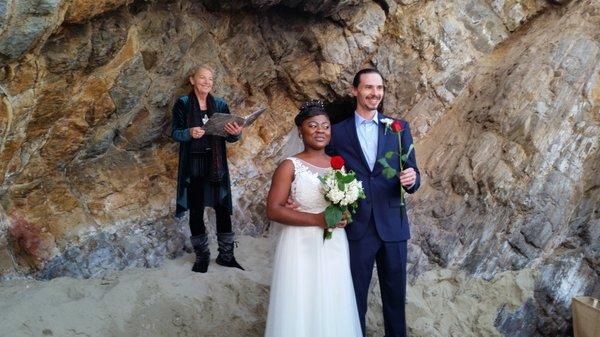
(216, 124)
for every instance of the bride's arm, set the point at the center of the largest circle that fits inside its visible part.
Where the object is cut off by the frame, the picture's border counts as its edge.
(278, 195)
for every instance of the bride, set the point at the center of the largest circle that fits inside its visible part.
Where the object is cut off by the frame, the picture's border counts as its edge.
(311, 293)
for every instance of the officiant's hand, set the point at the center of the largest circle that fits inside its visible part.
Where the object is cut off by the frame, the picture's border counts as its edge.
(408, 177)
(196, 132)
(233, 129)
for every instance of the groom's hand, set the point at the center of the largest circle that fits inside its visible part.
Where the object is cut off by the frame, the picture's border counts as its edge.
(291, 204)
(408, 177)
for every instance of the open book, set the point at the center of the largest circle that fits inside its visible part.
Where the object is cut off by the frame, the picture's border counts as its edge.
(216, 123)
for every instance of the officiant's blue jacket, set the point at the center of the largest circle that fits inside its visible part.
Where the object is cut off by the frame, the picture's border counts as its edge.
(382, 195)
(180, 132)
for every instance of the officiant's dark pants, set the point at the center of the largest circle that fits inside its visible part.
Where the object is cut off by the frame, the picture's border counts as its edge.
(391, 269)
(197, 201)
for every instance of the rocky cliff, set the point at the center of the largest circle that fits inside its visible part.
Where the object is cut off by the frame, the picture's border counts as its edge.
(503, 97)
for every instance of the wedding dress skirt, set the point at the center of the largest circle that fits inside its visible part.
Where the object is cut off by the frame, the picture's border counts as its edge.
(311, 291)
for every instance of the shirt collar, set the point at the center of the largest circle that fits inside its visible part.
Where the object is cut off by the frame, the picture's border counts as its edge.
(359, 120)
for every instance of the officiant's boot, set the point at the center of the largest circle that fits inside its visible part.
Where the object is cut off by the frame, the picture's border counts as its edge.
(200, 244)
(226, 244)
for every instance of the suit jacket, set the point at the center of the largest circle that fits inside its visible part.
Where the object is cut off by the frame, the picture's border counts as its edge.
(382, 195)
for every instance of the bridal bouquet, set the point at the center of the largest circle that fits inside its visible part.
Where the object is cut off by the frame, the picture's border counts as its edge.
(343, 190)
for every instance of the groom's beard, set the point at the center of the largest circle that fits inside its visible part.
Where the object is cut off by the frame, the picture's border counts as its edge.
(372, 105)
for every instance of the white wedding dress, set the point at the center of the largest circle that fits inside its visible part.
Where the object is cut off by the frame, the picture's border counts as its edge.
(311, 292)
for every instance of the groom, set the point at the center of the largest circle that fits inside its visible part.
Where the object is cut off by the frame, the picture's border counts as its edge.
(380, 228)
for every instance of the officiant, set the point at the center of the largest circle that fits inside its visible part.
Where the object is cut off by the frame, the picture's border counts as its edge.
(203, 175)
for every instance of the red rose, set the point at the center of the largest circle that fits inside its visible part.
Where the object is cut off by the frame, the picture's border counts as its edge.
(396, 126)
(337, 162)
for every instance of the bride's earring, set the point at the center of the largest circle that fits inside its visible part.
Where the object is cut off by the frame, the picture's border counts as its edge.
(300, 136)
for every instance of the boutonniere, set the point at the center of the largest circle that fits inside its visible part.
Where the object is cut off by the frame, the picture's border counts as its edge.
(391, 125)
(388, 124)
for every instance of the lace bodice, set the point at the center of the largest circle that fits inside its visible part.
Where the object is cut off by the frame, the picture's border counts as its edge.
(306, 187)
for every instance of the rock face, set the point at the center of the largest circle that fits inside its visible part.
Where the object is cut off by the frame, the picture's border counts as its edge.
(513, 182)
(503, 98)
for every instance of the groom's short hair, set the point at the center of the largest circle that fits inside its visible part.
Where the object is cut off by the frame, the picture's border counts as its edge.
(356, 80)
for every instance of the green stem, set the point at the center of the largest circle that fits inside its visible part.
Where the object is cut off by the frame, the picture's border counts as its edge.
(401, 167)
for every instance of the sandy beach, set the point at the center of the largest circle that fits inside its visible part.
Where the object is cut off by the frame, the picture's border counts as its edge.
(173, 301)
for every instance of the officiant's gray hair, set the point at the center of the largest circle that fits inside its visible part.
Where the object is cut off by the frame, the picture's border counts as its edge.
(197, 67)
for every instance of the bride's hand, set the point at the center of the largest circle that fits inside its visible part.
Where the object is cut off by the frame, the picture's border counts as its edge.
(342, 224)
(323, 223)
(345, 220)
(320, 220)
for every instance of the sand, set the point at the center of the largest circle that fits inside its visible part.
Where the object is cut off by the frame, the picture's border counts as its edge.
(173, 301)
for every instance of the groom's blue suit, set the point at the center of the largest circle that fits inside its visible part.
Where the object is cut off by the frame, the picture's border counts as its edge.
(380, 228)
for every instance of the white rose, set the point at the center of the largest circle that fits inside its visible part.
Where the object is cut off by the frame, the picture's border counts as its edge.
(330, 183)
(352, 195)
(387, 121)
(335, 195)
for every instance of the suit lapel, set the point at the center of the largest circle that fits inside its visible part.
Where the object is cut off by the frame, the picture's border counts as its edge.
(382, 144)
(353, 136)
